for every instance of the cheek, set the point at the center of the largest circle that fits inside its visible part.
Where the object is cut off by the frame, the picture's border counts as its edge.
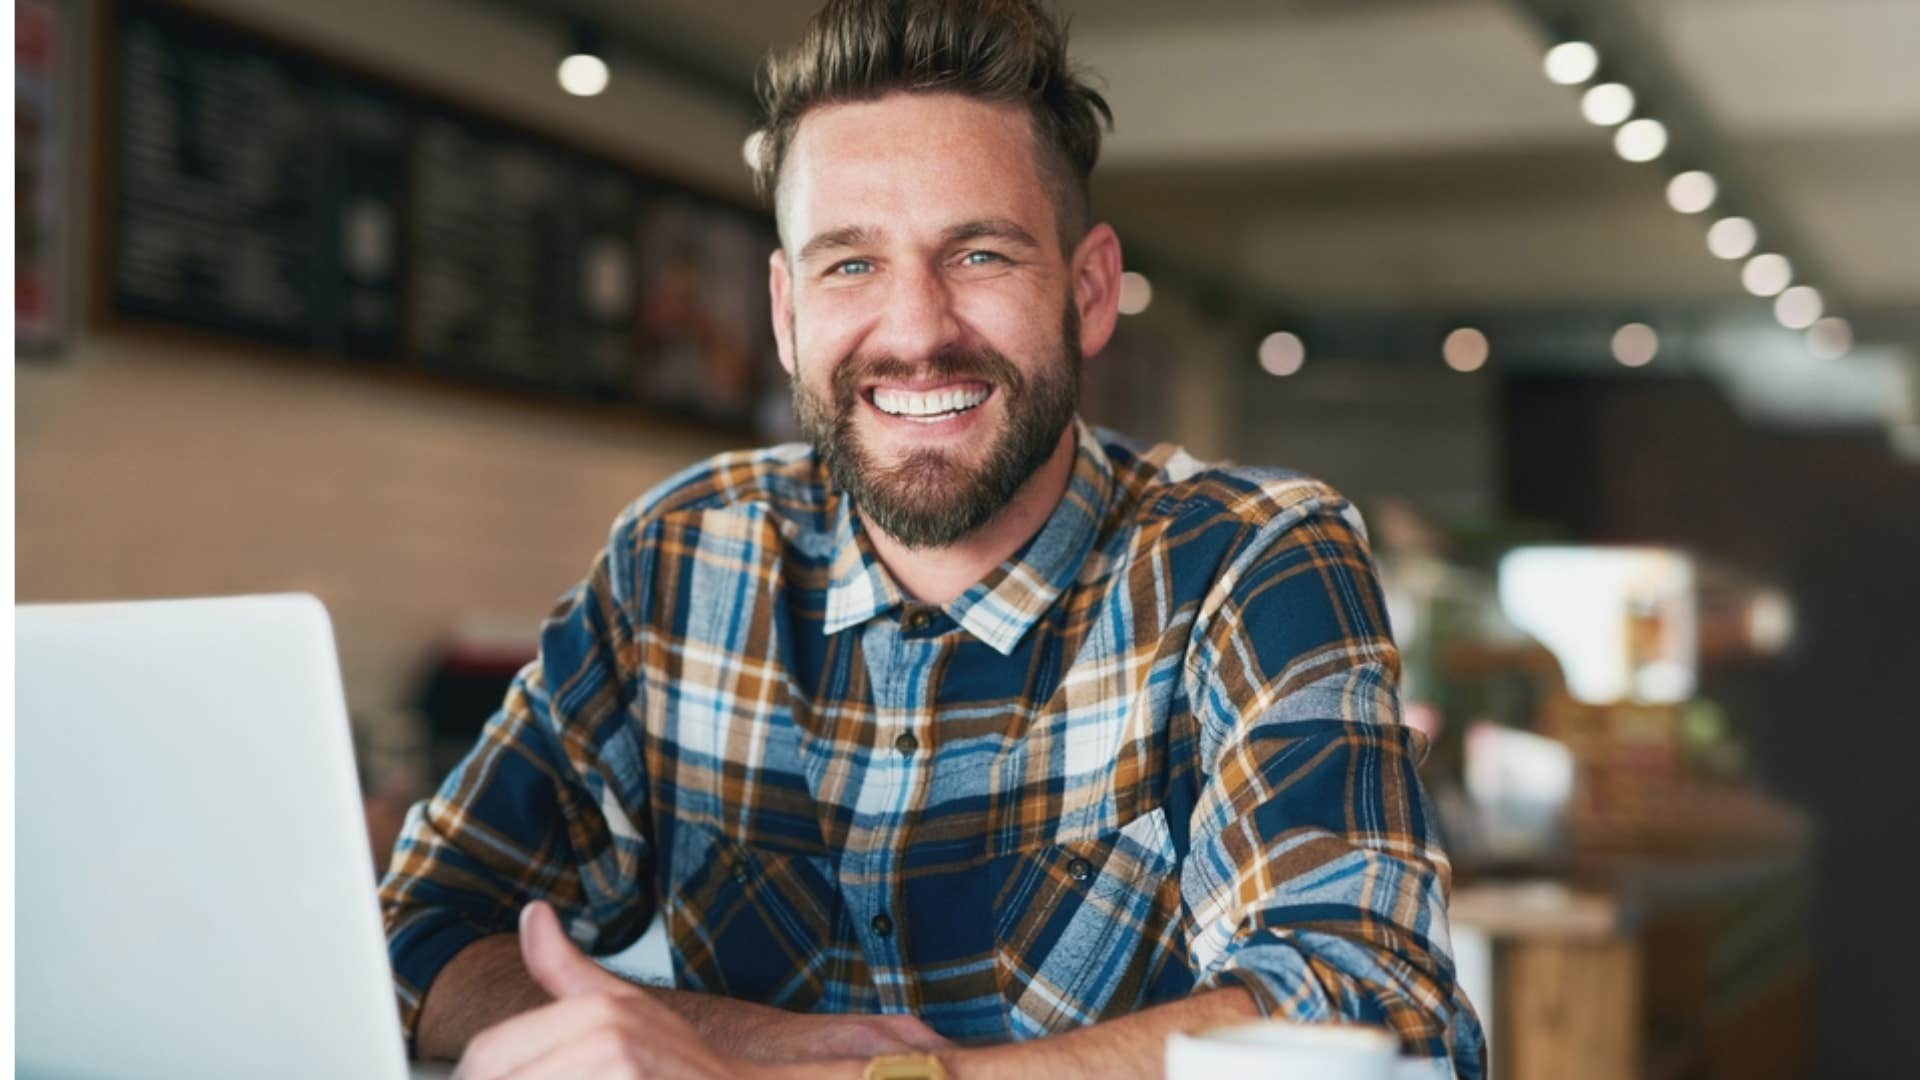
(827, 328)
(1024, 328)
(816, 358)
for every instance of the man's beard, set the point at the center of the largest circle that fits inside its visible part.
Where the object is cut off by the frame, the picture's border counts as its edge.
(929, 499)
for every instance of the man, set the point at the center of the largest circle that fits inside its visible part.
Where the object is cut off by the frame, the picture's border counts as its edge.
(964, 725)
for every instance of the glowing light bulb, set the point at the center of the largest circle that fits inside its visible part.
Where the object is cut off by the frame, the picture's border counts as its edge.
(1692, 191)
(1766, 274)
(1640, 140)
(1465, 349)
(1732, 238)
(583, 75)
(1635, 344)
(1607, 104)
(1799, 307)
(1282, 353)
(1571, 63)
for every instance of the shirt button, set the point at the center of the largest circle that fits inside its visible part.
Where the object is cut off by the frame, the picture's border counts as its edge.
(920, 619)
(882, 925)
(906, 743)
(1081, 869)
(741, 873)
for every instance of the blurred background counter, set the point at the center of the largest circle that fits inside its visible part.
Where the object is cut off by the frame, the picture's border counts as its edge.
(1628, 900)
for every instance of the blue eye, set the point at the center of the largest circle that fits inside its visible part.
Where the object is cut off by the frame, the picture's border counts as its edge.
(852, 267)
(981, 258)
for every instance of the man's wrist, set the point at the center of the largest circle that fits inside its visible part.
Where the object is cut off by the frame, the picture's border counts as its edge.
(732, 1025)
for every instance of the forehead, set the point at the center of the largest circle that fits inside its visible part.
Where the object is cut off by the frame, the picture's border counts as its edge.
(908, 162)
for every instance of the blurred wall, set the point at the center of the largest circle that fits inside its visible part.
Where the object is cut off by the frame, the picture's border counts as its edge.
(1413, 431)
(148, 469)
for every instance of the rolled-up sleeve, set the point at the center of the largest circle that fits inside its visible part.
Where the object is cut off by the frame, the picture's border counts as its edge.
(1315, 879)
(549, 804)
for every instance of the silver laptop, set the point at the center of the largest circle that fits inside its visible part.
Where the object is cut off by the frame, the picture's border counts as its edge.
(195, 892)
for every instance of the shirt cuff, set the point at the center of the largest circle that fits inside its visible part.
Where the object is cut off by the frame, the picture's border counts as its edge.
(418, 952)
(1282, 994)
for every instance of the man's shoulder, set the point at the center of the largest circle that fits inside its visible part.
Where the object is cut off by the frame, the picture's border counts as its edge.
(784, 482)
(1165, 482)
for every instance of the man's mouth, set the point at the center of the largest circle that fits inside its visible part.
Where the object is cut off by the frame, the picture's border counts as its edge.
(929, 406)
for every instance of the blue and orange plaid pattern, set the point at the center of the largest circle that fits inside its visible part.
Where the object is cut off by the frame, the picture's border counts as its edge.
(1157, 751)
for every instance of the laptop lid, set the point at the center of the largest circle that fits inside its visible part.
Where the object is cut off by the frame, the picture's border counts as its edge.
(195, 891)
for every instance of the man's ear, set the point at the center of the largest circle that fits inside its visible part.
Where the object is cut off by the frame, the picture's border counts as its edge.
(780, 296)
(1096, 287)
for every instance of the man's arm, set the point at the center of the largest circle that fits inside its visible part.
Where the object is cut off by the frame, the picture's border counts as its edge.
(1127, 1046)
(482, 985)
(1315, 879)
(488, 982)
(596, 1026)
(548, 804)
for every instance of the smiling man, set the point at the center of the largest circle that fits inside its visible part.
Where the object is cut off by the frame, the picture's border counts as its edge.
(963, 739)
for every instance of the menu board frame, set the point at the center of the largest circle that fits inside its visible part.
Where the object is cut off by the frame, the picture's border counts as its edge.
(631, 312)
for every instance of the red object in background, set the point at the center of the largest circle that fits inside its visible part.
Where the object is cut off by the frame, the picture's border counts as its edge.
(39, 149)
(35, 31)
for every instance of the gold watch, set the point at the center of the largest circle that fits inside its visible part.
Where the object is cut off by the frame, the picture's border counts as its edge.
(905, 1067)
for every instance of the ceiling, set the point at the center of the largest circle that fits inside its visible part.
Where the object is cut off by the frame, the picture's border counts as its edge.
(1408, 156)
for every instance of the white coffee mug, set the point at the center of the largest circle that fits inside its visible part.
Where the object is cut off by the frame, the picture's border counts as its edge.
(1282, 1050)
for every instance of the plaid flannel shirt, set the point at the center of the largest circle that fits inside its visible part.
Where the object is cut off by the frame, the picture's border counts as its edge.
(1156, 751)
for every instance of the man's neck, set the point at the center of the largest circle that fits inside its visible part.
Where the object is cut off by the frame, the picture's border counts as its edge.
(937, 575)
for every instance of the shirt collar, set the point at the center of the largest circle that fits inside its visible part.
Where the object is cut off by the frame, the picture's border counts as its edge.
(1000, 608)
(858, 586)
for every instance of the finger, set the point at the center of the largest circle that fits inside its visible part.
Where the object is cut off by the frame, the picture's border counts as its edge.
(508, 1045)
(554, 961)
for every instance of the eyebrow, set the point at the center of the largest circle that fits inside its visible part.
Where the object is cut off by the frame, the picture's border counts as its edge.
(848, 236)
(990, 228)
(854, 236)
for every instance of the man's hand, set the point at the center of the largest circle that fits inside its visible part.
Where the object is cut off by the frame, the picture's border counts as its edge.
(600, 1027)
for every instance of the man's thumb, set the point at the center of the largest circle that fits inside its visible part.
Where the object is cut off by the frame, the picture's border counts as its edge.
(555, 963)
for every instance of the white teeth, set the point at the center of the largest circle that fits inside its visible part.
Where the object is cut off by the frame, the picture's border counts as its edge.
(907, 403)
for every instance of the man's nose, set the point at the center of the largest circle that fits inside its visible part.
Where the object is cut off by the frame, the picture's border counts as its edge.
(919, 318)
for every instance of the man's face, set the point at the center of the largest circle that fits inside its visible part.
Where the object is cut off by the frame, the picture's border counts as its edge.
(926, 312)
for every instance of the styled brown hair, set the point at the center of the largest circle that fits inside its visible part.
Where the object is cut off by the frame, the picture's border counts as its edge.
(1000, 51)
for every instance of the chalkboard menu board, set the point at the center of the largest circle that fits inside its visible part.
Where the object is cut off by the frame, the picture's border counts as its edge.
(269, 195)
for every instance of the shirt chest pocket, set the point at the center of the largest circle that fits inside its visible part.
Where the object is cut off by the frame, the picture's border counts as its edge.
(1089, 929)
(752, 921)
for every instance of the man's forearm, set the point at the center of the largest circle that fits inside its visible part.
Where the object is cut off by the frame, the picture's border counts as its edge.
(487, 982)
(1129, 1046)
(483, 984)
(1133, 1045)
